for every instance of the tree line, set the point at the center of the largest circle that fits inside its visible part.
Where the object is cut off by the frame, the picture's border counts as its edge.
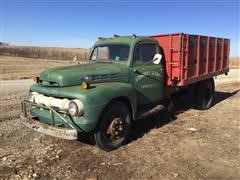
(44, 52)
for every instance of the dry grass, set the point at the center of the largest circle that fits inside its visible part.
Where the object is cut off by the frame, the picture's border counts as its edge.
(44, 52)
(234, 62)
(24, 68)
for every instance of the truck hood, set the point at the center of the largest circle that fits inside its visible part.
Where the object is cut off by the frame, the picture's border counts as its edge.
(74, 75)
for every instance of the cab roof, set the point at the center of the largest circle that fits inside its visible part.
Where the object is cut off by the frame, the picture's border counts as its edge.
(124, 39)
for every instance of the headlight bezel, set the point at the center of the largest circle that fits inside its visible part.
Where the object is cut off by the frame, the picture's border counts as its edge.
(78, 105)
(30, 97)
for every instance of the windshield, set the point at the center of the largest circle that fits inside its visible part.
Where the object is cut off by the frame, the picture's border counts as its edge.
(115, 52)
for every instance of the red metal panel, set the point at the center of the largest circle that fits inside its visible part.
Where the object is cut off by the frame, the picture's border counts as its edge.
(198, 55)
(226, 53)
(211, 54)
(207, 56)
(215, 55)
(219, 53)
(171, 44)
(184, 56)
(192, 58)
(203, 55)
(222, 55)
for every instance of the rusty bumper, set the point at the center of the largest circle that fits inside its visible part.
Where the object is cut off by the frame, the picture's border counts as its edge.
(64, 133)
(53, 130)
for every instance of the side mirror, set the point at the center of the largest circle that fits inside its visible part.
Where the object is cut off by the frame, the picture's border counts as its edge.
(157, 59)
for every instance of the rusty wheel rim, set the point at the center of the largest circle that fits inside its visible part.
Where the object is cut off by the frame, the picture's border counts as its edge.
(115, 129)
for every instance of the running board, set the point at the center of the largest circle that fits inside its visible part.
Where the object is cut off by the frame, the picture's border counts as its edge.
(152, 111)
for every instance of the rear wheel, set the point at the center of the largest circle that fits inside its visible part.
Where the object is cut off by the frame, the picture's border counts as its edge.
(204, 92)
(113, 127)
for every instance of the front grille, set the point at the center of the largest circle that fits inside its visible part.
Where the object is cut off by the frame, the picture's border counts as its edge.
(106, 77)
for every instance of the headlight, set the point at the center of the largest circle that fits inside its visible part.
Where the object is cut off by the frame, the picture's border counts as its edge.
(30, 97)
(72, 108)
(75, 108)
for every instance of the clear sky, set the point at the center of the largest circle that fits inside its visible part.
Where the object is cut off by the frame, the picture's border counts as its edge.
(72, 23)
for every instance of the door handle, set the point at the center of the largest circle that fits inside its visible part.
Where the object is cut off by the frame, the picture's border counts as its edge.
(161, 71)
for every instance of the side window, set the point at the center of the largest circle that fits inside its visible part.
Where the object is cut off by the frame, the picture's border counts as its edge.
(144, 53)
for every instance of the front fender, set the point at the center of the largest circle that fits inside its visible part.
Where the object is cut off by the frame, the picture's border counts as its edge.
(97, 98)
(94, 99)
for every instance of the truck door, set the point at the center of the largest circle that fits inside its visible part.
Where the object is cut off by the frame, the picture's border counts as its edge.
(148, 78)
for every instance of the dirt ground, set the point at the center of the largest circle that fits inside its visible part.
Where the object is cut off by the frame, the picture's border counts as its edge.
(188, 144)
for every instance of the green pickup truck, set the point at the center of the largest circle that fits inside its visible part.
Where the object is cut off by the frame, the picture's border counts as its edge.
(126, 78)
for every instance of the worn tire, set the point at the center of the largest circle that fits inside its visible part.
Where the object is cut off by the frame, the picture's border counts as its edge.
(204, 93)
(110, 119)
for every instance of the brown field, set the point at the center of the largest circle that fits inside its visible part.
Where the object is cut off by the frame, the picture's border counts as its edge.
(25, 68)
(234, 62)
(53, 53)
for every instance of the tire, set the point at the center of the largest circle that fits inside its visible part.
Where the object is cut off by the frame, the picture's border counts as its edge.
(204, 93)
(114, 126)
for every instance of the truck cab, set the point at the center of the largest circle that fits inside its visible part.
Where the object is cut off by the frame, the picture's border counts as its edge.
(137, 54)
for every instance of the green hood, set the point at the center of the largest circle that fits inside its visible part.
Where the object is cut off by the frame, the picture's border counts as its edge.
(74, 75)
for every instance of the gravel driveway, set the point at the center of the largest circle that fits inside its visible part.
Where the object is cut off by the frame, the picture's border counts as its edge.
(189, 144)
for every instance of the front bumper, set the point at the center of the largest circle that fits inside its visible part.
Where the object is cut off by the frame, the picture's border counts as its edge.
(52, 130)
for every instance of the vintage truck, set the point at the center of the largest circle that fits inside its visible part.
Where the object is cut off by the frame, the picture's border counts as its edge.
(126, 79)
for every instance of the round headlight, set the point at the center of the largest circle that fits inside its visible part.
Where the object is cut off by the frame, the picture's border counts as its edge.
(30, 97)
(73, 108)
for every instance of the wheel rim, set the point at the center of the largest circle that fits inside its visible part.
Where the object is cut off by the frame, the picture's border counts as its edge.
(115, 129)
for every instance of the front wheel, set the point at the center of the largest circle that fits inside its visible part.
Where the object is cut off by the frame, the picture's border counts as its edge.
(113, 127)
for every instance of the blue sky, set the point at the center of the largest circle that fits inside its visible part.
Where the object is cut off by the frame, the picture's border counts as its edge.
(75, 23)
